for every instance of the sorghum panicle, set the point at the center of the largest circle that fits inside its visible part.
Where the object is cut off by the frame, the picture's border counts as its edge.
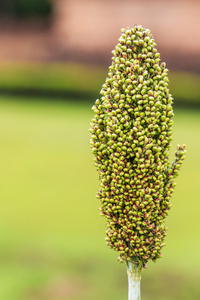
(130, 138)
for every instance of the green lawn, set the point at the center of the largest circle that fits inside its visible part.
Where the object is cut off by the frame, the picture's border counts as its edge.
(51, 235)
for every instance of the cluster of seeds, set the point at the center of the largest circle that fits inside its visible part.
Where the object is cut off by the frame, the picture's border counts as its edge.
(130, 138)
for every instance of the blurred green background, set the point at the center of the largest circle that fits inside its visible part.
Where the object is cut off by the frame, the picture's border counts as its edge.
(52, 239)
(51, 235)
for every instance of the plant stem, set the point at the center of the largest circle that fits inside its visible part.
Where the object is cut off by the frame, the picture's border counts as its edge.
(134, 277)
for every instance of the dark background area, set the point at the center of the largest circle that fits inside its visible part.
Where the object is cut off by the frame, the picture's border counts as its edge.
(25, 9)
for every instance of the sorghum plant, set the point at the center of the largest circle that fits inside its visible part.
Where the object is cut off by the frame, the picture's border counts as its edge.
(130, 138)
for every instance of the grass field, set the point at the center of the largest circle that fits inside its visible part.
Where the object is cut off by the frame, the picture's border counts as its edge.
(51, 235)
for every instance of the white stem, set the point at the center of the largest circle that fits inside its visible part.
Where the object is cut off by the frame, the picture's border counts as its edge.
(134, 278)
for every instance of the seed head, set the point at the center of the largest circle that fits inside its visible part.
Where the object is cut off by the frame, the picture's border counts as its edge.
(130, 138)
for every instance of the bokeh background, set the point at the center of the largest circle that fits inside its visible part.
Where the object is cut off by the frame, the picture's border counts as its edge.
(54, 57)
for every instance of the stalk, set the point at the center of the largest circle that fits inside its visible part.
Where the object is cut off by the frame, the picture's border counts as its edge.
(134, 278)
(131, 135)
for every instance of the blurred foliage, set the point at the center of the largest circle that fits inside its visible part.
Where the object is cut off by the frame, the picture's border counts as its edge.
(32, 7)
(25, 8)
(68, 79)
(185, 87)
(51, 235)
(82, 81)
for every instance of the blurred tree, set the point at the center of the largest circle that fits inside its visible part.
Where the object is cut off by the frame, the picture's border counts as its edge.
(26, 8)
(6, 7)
